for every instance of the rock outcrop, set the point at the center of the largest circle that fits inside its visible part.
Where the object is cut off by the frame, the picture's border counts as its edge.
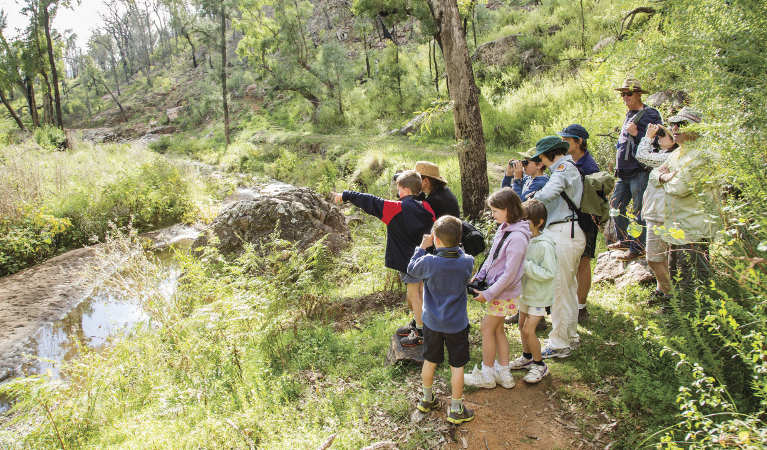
(677, 99)
(623, 274)
(506, 51)
(297, 214)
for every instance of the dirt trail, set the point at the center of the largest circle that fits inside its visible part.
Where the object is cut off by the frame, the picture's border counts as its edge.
(525, 417)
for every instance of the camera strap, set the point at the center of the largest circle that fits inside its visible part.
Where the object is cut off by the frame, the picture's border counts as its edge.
(497, 249)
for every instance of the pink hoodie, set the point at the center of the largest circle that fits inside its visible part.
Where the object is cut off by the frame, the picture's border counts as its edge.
(504, 274)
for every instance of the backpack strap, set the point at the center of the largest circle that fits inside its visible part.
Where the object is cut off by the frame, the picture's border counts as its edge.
(571, 204)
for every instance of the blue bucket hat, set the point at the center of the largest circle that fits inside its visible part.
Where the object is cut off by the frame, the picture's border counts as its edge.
(574, 131)
(549, 143)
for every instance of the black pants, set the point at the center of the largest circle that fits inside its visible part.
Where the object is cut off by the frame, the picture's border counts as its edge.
(690, 264)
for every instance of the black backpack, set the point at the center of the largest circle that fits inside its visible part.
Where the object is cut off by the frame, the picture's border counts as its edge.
(472, 240)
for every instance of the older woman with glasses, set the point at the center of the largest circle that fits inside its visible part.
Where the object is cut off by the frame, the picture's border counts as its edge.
(691, 202)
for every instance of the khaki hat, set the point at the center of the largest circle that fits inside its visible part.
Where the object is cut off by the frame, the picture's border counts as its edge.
(428, 169)
(686, 114)
(631, 85)
(527, 154)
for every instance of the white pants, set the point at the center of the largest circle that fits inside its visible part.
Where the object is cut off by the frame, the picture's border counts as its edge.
(564, 311)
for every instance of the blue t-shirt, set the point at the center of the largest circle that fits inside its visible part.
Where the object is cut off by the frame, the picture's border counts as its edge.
(586, 165)
(445, 275)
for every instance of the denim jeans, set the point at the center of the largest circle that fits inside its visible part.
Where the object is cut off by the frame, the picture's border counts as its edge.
(630, 189)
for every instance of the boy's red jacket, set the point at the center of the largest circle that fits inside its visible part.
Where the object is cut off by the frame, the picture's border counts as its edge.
(406, 222)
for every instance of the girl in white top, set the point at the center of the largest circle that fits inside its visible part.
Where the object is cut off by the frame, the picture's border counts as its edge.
(654, 148)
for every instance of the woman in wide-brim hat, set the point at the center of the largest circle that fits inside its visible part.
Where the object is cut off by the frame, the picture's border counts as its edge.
(562, 224)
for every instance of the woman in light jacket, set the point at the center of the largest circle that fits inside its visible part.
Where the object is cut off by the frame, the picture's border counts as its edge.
(692, 202)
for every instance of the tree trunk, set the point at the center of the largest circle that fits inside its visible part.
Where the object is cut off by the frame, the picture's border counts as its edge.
(29, 85)
(11, 111)
(194, 51)
(367, 56)
(223, 74)
(52, 62)
(111, 94)
(465, 96)
(436, 68)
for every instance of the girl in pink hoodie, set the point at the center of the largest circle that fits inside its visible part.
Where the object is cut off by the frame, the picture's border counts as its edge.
(502, 272)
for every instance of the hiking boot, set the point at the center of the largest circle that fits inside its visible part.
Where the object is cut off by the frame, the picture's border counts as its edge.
(536, 373)
(413, 339)
(629, 255)
(503, 377)
(511, 319)
(479, 378)
(658, 298)
(550, 352)
(520, 363)
(405, 330)
(425, 406)
(583, 315)
(459, 417)
(620, 245)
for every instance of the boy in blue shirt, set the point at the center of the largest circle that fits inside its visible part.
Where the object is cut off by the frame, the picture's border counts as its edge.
(445, 319)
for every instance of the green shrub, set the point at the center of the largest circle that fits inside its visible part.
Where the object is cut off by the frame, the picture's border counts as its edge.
(30, 240)
(50, 137)
(153, 196)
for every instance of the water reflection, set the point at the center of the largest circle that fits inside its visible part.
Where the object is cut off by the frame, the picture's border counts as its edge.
(93, 323)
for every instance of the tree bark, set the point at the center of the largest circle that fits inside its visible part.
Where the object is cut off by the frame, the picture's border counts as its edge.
(29, 86)
(52, 62)
(194, 51)
(11, 111)
(465, 96)
(223, 74)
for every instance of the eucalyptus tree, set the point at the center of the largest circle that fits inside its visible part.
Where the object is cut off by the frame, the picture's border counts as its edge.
(279, 45)
(9, 71)
(464, 94)
(221, 9)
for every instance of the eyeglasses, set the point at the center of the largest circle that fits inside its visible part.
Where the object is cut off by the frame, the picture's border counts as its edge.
(677, 125)
(627, 94)
(525, 163)
(537, 159)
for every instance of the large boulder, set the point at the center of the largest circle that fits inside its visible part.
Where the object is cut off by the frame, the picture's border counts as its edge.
(499, 52)
(297, 214)
(677, 99)
(623, 274)
(173, 114)
(506, 51)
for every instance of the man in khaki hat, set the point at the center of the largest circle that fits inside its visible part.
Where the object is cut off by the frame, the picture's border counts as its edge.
(632, 176)
(438, 195)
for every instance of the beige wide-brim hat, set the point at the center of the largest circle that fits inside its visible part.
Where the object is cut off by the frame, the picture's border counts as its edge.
(631, 85)
(428, 169)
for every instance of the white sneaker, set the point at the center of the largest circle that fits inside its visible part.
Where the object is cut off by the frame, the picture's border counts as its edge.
(536, 373)
(479, 378)
(503, 376)
(520, 363)
(549, 352)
